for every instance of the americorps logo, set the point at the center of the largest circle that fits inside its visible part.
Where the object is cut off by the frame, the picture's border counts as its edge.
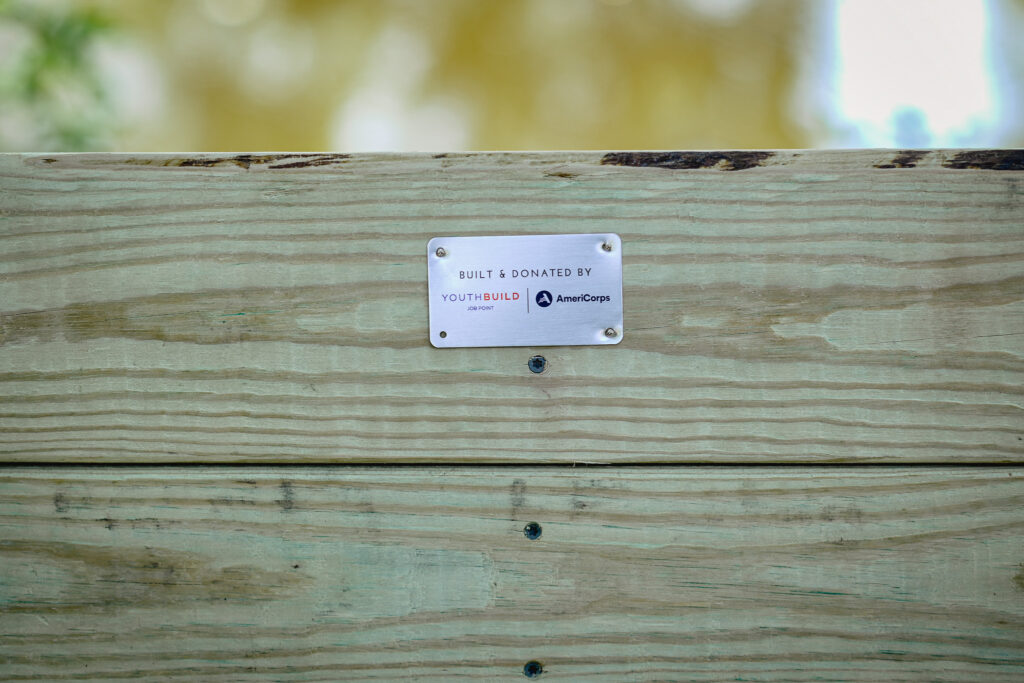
(545, 298)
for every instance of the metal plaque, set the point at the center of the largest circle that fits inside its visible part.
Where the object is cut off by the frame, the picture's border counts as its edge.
(529, 290)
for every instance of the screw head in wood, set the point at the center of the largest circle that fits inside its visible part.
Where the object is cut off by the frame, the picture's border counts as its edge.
(537, 364)
(441, 252)
(533, 669)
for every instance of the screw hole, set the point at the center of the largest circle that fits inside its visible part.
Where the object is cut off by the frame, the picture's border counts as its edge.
(443, 334)
(532, 669)
(537, 364)
(532, 531)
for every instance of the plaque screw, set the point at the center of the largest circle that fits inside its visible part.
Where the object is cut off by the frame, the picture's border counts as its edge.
(611, 333)
(537, 364)
(607, 246)
(441, 252)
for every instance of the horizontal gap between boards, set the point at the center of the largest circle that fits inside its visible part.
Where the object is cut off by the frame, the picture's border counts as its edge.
(511, 466)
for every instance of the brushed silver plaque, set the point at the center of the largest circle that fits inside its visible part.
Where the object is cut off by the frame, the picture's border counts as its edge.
(527, 290)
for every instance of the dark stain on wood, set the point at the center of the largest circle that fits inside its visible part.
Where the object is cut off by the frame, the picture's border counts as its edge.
(907, 158)
(287, 500)
(240, 160)
(850, 514)
(209, 317)
(725, 161)
(576, 503)
(231, 502)
(312, 161)
(246, 161)
(107, 576)
(1018, 578)
(560, 174)
(988, 160)
(518, 493)
(60, 503)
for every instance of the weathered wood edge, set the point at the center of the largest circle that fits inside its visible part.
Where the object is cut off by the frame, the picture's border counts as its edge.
(720, 160)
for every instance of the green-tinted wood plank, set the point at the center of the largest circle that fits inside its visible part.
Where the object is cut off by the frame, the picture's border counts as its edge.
(768, 574)
(802, 307)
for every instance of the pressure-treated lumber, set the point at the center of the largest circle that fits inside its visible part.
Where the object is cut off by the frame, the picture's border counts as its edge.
(644, 574)
(788, 307)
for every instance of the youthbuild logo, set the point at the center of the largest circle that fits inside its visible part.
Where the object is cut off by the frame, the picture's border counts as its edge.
(480, 296)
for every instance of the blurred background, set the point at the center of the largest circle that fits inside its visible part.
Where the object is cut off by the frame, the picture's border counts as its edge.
(428, 75)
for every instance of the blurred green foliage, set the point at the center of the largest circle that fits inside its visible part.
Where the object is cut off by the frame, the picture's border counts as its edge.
(449, 75)
(50, 91)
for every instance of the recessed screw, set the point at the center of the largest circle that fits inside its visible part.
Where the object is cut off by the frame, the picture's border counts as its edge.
(607, 246)
(537, 364)
(443, 334)
(611, 333)
(441, 252)
(532, 531)
(533, 669)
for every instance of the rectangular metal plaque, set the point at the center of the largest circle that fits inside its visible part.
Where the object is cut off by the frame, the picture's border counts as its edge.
(528, 290)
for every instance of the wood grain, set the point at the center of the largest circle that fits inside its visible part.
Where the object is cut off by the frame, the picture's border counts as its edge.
(787, 307)
(643, 574)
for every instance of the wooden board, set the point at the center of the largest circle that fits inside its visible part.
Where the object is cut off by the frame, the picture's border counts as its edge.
(800, 307)
(643, 574)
